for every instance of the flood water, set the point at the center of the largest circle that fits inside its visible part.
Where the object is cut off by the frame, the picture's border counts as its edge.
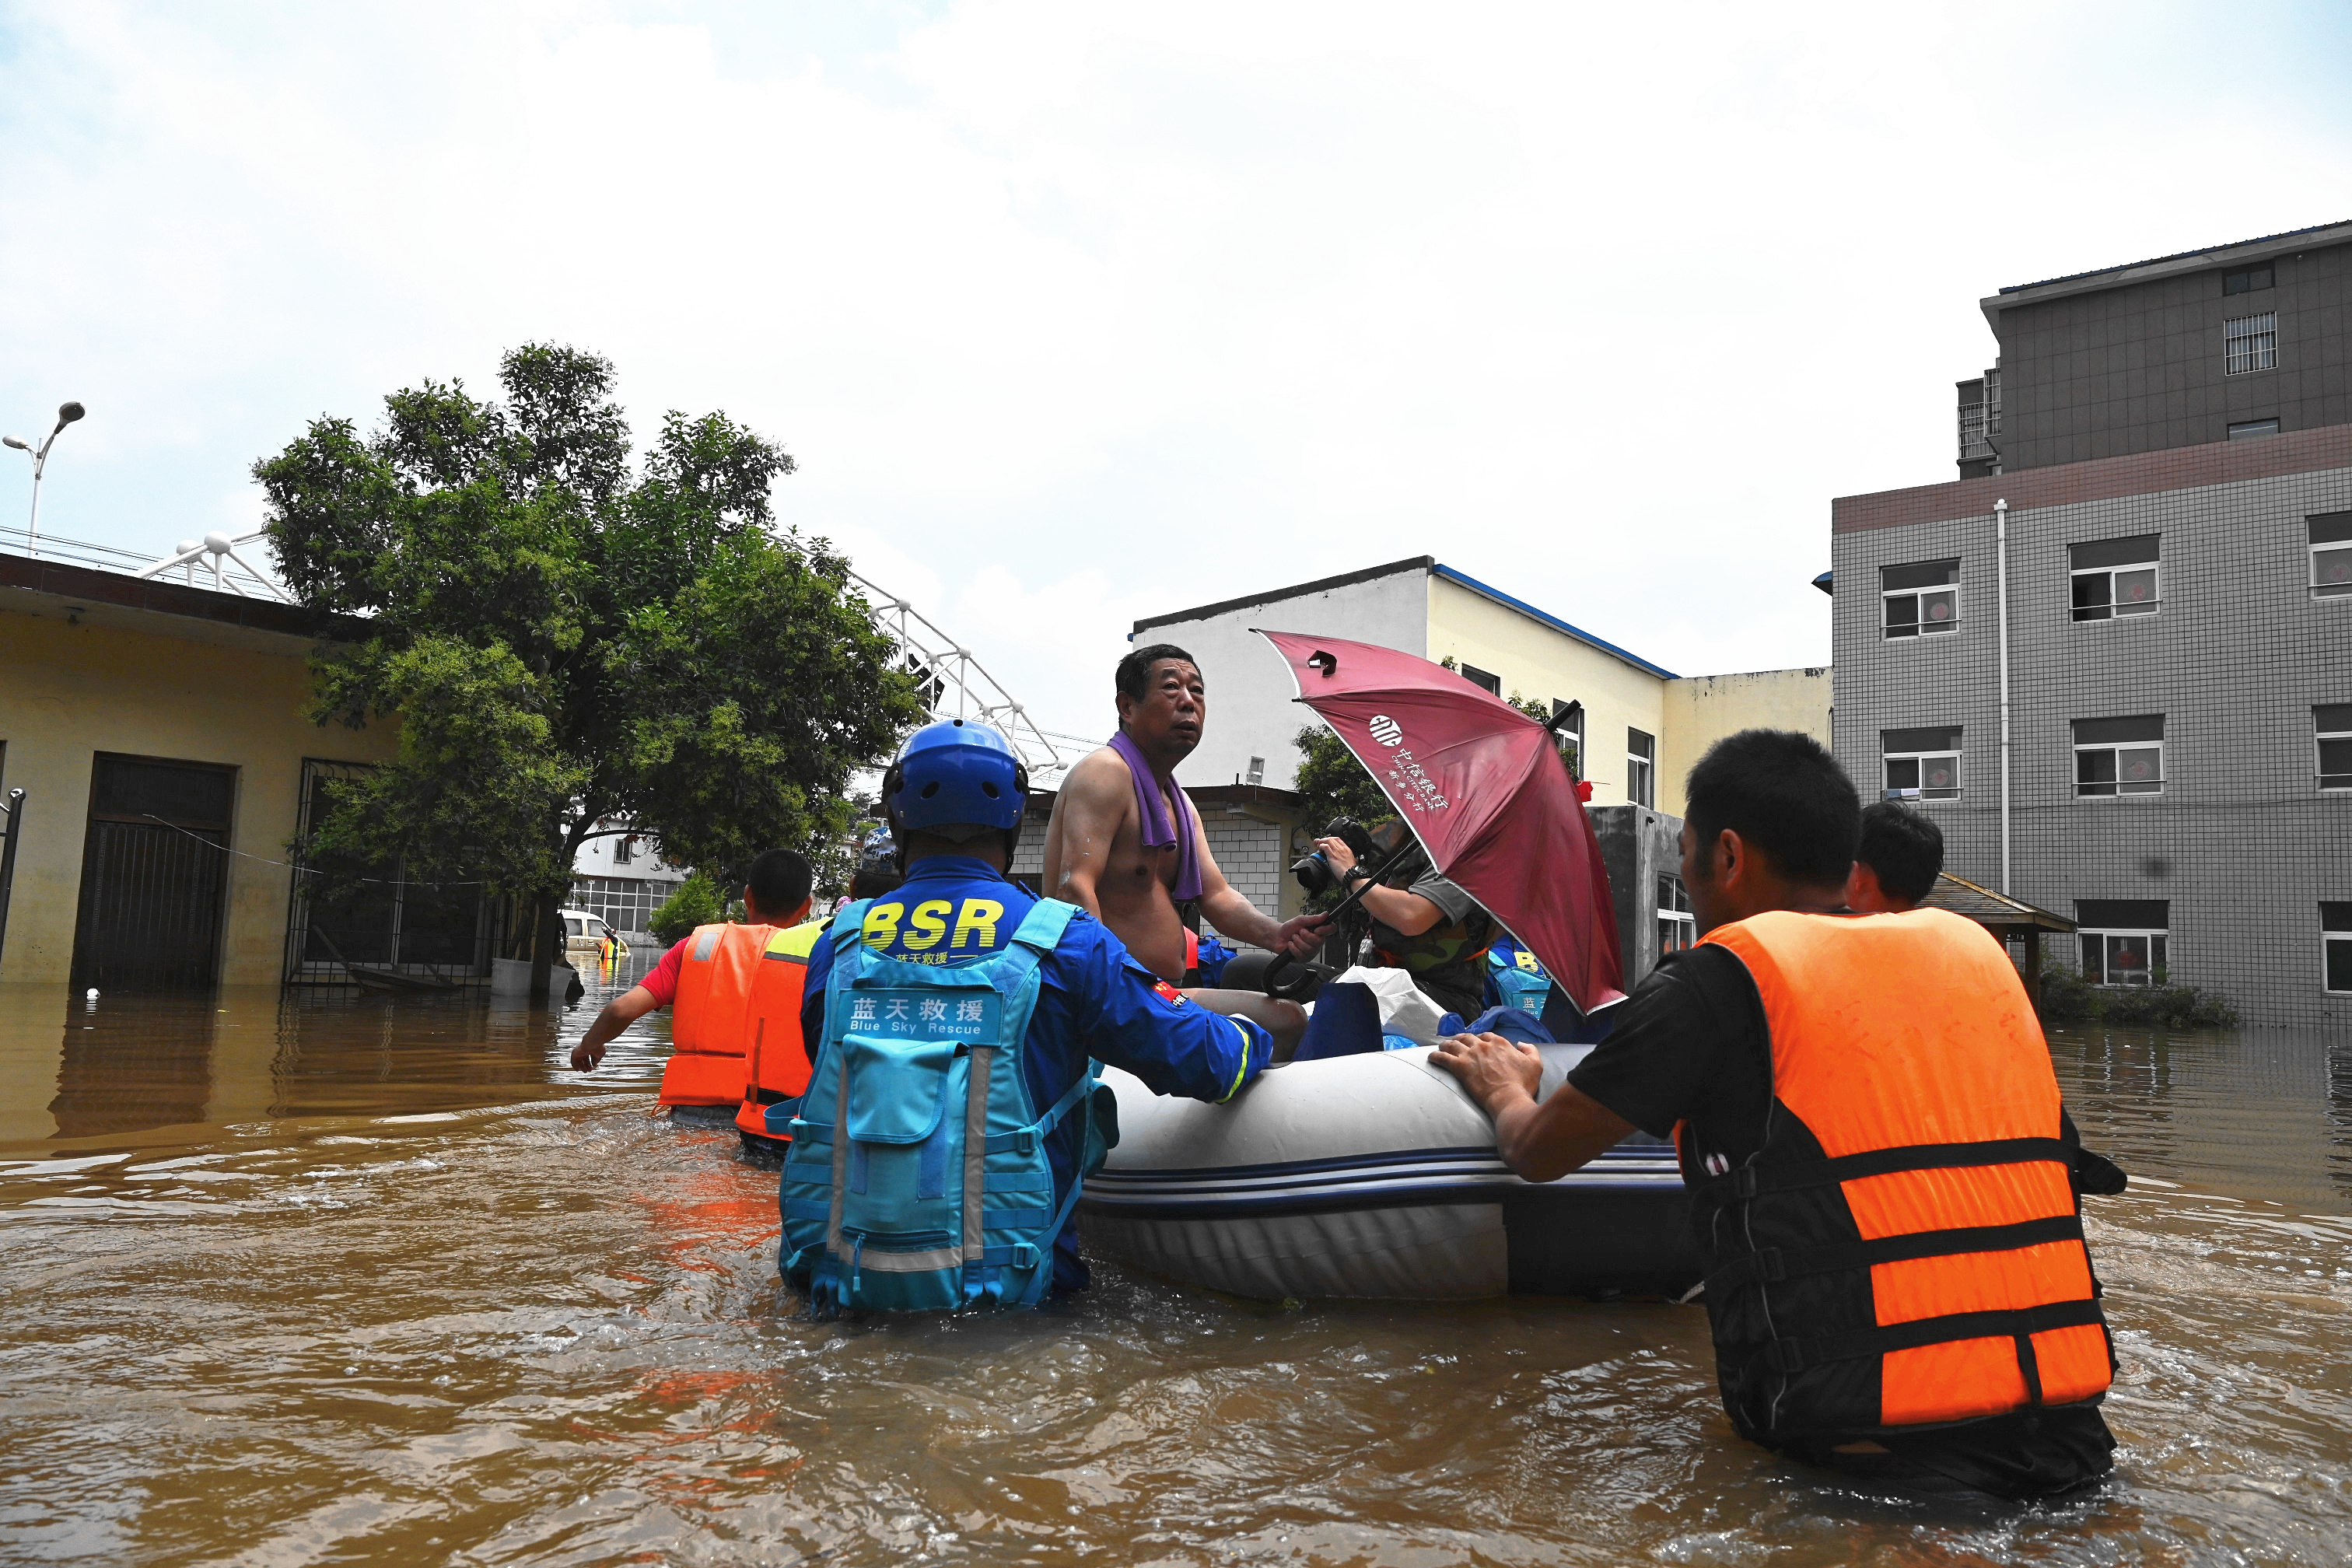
(294, 1280)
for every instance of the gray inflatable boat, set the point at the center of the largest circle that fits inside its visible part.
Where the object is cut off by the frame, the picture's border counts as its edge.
(1376, 1176)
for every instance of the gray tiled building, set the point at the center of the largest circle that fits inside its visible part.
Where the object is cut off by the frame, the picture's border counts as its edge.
(2176, 478)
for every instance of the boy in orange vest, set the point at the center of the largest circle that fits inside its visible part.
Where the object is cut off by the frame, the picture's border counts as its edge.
(776, 895)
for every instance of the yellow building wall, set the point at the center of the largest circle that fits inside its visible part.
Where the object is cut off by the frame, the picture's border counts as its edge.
(1534, 660)
(70, 691)
(1700, 710)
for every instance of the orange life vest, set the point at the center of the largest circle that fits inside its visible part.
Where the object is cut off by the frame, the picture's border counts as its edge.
(711, 1017)
(777, 1068)
(1906, 1247)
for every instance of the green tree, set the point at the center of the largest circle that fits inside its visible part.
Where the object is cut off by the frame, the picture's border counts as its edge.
(567, 635)
(695, 904)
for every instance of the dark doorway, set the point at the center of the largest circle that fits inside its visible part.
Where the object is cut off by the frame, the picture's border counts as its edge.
(154, 871)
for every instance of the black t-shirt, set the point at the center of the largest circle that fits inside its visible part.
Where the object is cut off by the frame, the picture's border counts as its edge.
(1692, 1045)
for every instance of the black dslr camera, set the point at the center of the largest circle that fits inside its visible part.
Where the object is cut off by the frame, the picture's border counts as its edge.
(1314, 870)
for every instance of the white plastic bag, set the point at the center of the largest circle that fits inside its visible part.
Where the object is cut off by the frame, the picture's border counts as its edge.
(1404, 1009)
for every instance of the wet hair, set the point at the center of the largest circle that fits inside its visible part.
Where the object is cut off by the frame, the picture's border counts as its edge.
(1903, 847)
(778, 881)
(1133, 677)
(1785, 795)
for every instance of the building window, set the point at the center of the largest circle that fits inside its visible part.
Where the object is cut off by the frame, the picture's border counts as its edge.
(1922, 764)
(2331, 555)
(2115, 577)
(2336, 943)
(1641, 766)
(2119, 756)
(1923, 599)
(624, 849)
(2123, 940)
(1479, 677)
(1571, 733)
(2247, 429)
(1677, 927)
(1256, 774)
(2246, 280)
(2250, 342)
(2331, 723)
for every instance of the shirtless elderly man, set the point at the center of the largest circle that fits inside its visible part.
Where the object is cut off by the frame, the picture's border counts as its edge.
(1125, 845)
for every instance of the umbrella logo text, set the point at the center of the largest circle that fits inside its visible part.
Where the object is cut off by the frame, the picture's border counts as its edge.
(1387, 730)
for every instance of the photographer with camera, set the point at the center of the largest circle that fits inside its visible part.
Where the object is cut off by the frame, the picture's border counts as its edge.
(1421, 922)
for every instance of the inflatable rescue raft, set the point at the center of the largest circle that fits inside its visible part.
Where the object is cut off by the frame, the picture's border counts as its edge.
(1375, 1175)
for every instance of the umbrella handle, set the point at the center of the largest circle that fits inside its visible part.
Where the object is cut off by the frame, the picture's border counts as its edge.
(1283, 963)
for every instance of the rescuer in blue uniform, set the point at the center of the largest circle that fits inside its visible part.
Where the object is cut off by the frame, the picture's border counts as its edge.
(955, 798)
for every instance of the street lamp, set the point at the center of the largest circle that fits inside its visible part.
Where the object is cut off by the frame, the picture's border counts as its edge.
(66, 414)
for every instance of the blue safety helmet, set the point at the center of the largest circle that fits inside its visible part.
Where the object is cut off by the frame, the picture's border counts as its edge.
(955, 779)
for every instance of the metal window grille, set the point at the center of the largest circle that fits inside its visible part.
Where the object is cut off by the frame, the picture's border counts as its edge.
(2249, 343)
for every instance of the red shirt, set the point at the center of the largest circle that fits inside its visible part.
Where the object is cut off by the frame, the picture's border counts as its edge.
(662, 979)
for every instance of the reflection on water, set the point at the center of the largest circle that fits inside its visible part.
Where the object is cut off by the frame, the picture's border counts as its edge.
(295, 1280)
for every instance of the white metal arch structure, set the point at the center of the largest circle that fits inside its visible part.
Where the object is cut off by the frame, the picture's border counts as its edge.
(216, 550)
(955, 685)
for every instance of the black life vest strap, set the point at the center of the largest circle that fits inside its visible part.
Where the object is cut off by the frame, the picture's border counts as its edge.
(1750, 1181)
(1773, 1264)
(1791, 1357)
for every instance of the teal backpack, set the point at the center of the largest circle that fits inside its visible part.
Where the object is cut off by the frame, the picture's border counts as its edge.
(917, 1179)
(1519, 980)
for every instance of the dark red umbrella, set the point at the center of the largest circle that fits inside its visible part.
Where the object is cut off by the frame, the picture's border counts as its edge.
(1482, 787)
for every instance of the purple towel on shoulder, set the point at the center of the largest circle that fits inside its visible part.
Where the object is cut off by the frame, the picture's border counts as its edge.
(1152, 807)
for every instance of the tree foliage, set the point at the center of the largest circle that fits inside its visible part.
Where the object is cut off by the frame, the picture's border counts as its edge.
(568, 636)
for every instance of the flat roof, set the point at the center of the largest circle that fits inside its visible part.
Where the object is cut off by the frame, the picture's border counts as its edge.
(1429, 563)
(200, 615)
(1276, 596)
(1554, 622)
(2179, 261)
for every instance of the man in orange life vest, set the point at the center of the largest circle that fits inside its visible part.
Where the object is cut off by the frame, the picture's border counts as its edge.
(1883, 1183)
(734, 991)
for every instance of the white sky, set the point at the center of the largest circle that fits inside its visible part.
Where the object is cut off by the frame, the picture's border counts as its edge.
(1078, 312)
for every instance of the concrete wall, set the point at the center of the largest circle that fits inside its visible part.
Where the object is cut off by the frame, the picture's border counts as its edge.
(1535, 660)
(1637, 848)
(1700, 710)
(1252, 706)
(2138, 367)
(2242, 842)
(115, 683)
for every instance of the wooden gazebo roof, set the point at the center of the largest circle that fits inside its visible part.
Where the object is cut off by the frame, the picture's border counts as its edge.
(1987, 907)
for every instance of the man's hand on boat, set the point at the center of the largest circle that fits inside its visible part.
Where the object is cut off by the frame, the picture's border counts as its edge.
(1540, 1141)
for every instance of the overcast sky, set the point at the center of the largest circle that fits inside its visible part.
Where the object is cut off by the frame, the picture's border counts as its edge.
(1072, 313)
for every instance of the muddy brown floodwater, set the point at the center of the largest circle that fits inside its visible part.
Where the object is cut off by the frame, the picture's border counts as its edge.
(289, 1281)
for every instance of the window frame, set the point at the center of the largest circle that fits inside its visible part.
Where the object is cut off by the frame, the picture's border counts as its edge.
(2340, 526)
(1484, 681)
(1673, 913)
(2260, 333)
(2330, 938)
(1642, 767)
(2158, 956)
(2111, 608)
(1920, 793)
(2243, 279)
(2115, 785)
(1919, 625)
(2319, 740)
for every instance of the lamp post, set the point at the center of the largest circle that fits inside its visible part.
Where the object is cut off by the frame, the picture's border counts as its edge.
(66, 414)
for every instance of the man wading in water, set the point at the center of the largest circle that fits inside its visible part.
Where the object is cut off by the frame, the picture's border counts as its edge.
(1126, 845)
